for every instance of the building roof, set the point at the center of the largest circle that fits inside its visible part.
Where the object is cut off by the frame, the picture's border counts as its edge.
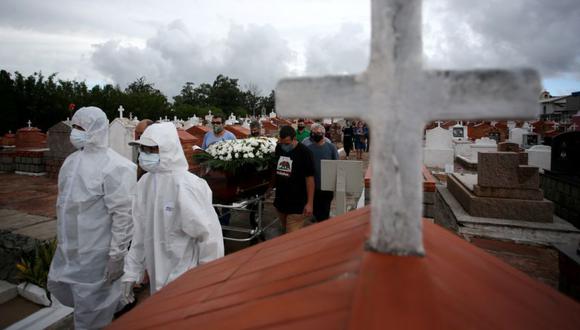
(322, 277)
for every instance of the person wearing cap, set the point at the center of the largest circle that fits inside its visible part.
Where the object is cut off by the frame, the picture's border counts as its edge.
(176, 226)
(94, 224)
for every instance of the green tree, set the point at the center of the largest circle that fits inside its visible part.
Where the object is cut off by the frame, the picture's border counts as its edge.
(145, 101)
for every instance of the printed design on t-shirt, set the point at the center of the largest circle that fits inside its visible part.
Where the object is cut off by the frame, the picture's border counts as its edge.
(284, 167)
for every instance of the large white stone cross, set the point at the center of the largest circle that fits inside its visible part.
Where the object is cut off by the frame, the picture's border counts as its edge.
(121, 110)
(397, 98)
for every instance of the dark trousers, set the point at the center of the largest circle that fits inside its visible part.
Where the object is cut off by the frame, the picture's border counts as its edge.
(321, 207)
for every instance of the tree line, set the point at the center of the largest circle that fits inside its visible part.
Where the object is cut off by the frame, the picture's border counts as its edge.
(46, 100)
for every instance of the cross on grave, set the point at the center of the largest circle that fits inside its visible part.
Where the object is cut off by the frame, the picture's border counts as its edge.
(393, 84)
(121, 110)
(29, 123)
(573, 127)
(439, 122)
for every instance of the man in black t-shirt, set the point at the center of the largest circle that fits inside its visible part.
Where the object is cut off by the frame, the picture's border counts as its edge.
(294, 181)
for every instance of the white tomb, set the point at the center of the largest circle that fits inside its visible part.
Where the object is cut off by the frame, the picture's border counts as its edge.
(438, 151)
(193, 121)
(121, 132)
(273, 114)
(517, 135)
(209, 117)
(540, 156)
(382, 96)
(484, 144)
(461, 148)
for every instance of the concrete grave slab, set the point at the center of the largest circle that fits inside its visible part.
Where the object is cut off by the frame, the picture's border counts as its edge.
(41, 231)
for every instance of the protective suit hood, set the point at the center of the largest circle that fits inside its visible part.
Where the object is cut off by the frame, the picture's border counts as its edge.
(96, 125)
(171, 154)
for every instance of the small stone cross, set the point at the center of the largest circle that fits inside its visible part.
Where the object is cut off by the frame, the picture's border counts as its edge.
(439, 122)
(396, 97)
(573, 127)
(29, 123)
(121, 109)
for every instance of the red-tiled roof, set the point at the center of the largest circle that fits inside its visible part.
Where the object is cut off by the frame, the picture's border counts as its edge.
(321, 277)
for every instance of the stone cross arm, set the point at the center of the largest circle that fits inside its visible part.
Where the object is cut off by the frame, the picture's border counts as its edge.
(478, 94)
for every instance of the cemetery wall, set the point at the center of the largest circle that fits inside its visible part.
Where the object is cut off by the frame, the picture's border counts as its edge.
(565, 195)
(29, 161)
(7, 161)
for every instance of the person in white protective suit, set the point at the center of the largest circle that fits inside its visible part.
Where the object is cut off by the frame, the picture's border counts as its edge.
(94, 223)
(176, 226)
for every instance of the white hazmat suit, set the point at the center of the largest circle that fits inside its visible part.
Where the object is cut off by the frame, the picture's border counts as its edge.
(176, 226)
(94, 226)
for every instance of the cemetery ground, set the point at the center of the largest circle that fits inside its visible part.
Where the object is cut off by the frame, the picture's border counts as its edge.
(27, 214)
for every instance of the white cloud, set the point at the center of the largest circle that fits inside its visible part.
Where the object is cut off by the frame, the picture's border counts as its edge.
(254, 54)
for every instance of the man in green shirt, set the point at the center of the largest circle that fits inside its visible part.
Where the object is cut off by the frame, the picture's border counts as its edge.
(301, 132)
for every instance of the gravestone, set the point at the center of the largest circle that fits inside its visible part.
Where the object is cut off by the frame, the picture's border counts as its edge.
(341, 177)
(514, 147)
(193, 121)
(384, 94)
(459, 132)
(121, 132)
(540, 156)
(502, 189)
(566, 154)
(562, 183)
(208, 117)
(495, 135)
(438, 151)
(484, 144)
(529, 140)
(470, 160)
(59, 147)
(517, 135)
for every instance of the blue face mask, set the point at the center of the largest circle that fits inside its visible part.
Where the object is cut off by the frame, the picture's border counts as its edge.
(287, 147)
(149, 162)
(78, 138)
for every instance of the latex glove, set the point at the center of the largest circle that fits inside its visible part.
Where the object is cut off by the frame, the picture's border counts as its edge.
(127, 296)
(114, 269)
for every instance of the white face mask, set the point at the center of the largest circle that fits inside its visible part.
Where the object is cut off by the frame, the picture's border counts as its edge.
(149, 162)
(78, 138)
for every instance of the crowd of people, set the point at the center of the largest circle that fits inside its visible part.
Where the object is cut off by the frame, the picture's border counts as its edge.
(120, 223)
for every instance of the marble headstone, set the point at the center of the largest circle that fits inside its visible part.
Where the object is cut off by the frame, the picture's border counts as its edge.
(121, 132)
(438, 151)
(540, 156)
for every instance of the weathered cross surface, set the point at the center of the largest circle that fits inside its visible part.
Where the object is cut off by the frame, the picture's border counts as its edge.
(397, 98)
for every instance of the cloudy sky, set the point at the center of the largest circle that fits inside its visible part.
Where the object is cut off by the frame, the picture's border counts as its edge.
(171, 42)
